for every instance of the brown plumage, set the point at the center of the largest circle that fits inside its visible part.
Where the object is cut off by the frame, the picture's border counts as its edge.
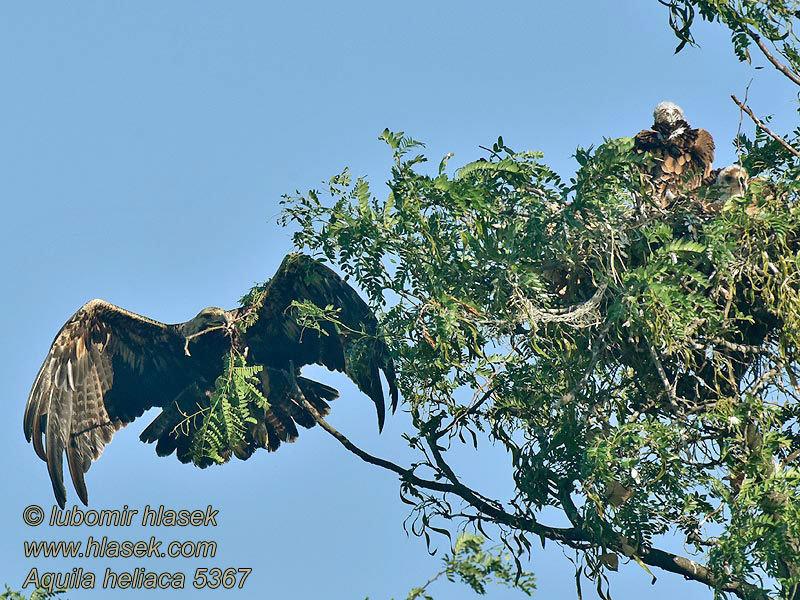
(683, 156)
(107, 366)
(729, 182)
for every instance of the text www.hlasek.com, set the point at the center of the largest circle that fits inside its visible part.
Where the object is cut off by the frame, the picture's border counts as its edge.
(105, 548)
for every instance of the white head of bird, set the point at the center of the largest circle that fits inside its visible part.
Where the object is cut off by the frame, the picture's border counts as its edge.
(668, 113)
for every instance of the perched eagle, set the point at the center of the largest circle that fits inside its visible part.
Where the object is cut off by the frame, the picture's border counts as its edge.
(734, 181)
(108, 365)
(683, 155)
(730, 182)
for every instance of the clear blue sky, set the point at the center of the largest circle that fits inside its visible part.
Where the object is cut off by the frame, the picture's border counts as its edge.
(144, 149)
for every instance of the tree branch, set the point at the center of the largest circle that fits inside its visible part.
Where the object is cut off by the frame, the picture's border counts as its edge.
(570, 537)
(405, 474)
(669, 388)
(764, 128)
(573, 537)
(694, 570)
(771, 57)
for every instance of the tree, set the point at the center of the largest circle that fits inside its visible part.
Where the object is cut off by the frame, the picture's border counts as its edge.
(638, 366)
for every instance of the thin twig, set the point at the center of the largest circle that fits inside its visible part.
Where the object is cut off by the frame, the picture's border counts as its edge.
(199, 333)
(495, 154)
(764, 128)
(764, 380)
(470, 495)
(471, 410)
(417, 592)
(739, 130)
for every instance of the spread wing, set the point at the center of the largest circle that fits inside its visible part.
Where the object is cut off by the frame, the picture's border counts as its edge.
(174, 432)
(275, 341)
(354, 347)
(105, 368)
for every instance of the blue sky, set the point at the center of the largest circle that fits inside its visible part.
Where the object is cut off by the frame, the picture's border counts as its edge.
(145, 147)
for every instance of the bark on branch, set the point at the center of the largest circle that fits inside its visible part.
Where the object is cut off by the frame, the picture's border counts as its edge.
(764, 128)
(772, 58)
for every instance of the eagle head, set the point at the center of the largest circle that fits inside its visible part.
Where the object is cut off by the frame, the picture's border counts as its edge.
(732, 181)
(211, 316)
(668, 113)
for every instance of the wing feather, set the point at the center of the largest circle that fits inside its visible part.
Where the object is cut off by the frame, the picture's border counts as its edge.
(647, 140)
(105, 367)
(355, 349)
(702, 150)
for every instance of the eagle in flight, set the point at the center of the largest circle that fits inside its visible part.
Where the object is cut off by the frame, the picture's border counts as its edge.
(107, 366)
(683, 156)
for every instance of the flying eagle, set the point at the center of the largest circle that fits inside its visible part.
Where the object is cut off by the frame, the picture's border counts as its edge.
(107, 366)
(683, 155)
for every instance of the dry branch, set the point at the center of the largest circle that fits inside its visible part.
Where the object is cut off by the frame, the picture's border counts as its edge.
(764, 128)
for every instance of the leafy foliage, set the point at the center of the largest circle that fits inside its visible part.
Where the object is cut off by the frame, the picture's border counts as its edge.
(221, 425)
(639, 366)
(254, 299)
(477, 567)
(37, 594)
(747, 20)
